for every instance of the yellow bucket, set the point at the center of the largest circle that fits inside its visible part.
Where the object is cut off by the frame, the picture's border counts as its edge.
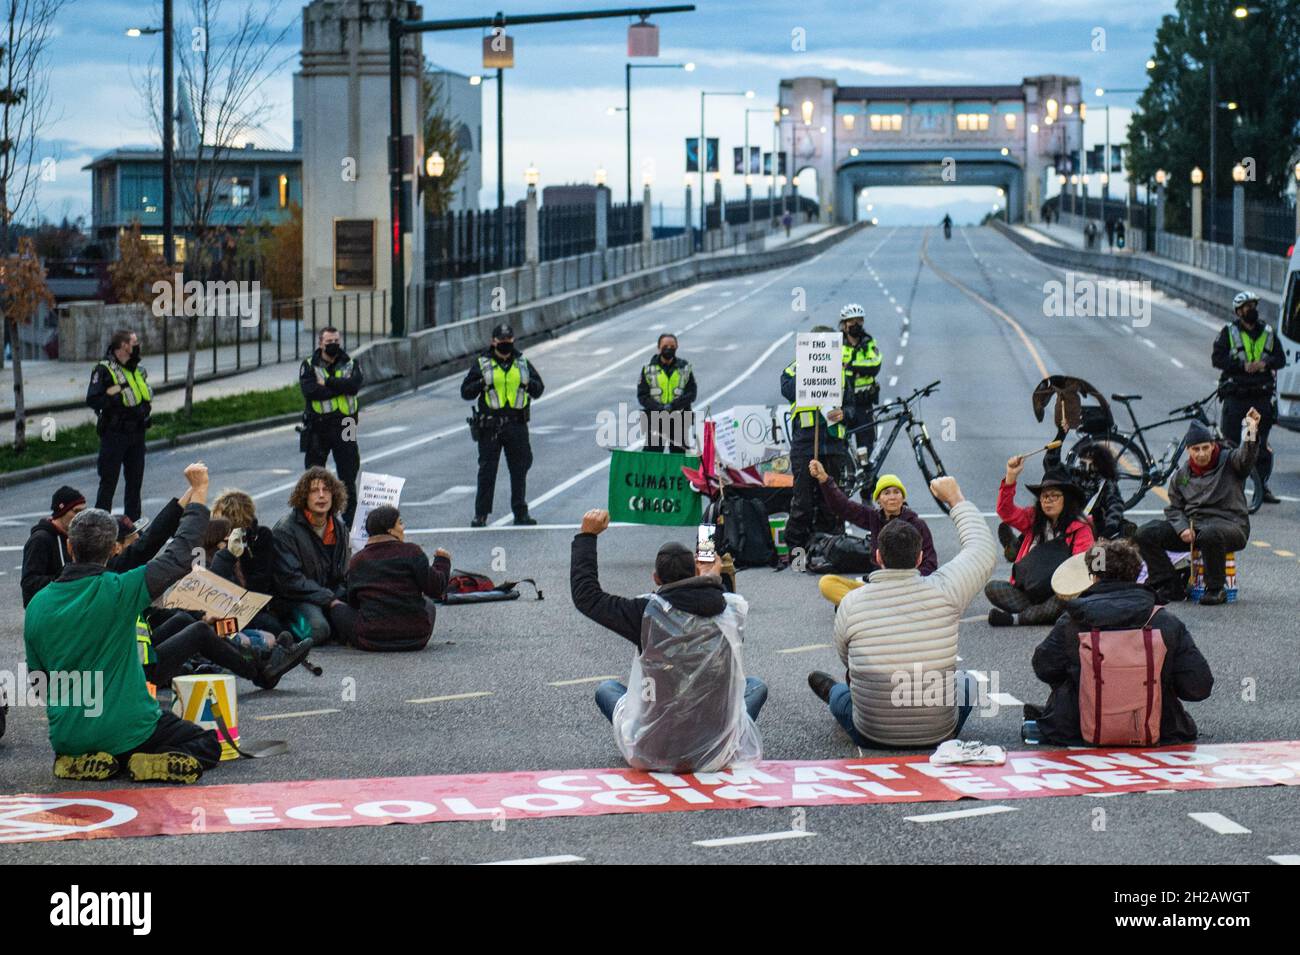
(195, 697)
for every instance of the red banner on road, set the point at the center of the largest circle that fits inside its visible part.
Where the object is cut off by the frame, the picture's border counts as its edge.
(333, 803)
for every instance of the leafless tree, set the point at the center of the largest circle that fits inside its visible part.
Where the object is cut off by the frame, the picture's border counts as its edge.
(222, 65)
(24, 114)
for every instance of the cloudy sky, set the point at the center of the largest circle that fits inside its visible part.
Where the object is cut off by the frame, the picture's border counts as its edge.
(568, 75)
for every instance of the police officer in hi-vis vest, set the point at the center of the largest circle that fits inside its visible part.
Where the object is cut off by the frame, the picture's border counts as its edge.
(330, 380)
(120, 395)
(861, 366)
(666, 391)
(503, 386)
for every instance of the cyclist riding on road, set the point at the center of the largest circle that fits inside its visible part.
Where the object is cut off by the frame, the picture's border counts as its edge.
(947, 226)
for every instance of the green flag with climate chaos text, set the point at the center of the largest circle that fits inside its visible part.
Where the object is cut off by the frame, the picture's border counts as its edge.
(646, 488)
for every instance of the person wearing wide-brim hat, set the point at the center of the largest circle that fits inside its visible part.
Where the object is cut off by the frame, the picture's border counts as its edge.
(1051, 531)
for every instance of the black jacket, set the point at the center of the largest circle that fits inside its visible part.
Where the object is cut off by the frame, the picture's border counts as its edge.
(1233, 370)
(704, 596)
(44, 556)
(313, 390)
(684, 398)
(801, 439)
(159, 531)
(1117, 605)
(305, 569)
(471, 389)
(113, 414)
(254, 569)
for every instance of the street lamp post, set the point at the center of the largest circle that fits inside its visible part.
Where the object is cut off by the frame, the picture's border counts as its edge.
(501, 159)
(744, 165)
(1197, 177)
(627, 106)
(702, 152)
(168, 133)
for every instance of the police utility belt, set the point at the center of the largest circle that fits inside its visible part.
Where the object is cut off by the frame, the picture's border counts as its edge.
(488, 424)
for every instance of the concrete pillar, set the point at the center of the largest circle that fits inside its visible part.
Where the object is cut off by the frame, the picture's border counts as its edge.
(647, 227)
(342, 101)
(1238, 216)
(532, 237)
(1198, 232)
(1160, 209)
(602, 219)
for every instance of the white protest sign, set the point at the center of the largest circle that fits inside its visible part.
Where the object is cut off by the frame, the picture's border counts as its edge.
(373, 490)
(751, 427)
(819, 369)
(203, 590)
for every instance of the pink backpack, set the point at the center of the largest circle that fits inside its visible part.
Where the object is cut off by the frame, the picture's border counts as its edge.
(1119, 685)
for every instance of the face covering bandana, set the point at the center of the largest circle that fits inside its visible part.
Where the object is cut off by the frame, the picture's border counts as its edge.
(333, 349)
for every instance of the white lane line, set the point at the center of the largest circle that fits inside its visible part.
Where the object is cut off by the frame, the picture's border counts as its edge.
(583, 679)
(1146, 341)
(392, 429)
(1177, 363)
(455, 491)
(602, 351)
(760, 837)
(805, 648)
(696, 308)
(898, 361)
(1005, 699)
(1126, 330)
(290, 716)
(902, 342)
(13, 547)
(960, 814)
(1219, 823)
(604, 462)
(898, 309)
(1285, 860)
(893, 380)
(451, 696)
(538, 860)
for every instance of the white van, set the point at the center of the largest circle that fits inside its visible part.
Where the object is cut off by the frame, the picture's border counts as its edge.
(1288, 328)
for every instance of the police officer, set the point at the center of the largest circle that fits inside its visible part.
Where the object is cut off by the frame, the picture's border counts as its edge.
(806, 514)
(1247, 355)
(503, 385)
(861, 366)
(330, 380)
(666, 390)
(120, 395)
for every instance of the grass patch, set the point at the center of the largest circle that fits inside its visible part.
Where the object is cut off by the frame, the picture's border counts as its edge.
(208, 413)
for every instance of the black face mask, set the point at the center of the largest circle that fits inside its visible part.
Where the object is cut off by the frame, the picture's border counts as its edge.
(333, 349)
(1251, 316)
(854, 332)
(668, 355)
(504, 349)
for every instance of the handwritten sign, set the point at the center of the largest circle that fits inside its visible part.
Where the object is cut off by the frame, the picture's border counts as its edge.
(205, 591)
(373, 490)
(819, 371)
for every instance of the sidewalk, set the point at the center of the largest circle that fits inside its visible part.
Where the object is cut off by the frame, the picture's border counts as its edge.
(775, 240)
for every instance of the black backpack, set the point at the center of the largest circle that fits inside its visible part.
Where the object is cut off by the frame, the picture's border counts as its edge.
(840, 554)
(745, 532)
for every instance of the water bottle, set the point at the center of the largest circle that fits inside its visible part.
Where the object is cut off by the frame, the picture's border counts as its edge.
(1029, 732)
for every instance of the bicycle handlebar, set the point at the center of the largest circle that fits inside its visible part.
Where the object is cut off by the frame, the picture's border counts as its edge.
(918, 393)
(1198, 405)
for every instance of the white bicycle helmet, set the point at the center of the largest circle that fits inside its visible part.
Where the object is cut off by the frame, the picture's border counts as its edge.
(852, 311)
(1242, 297)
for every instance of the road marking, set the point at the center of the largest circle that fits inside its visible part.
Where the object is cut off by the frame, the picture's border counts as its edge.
(1177, 363)
(893, 380)
(1146, 341)
(583, 679)
(538, 860)
(902, 342)
(1284, 553)
(455, 491)
(290, 716)
(1219, 823)
(805, 648)
(1005, 699)
(1285, 860)
(760, 837)
(1261, 544)
(392, 429)
(898, 361)
(13, 547)
(982, 616)
(450, 696)
(898, 309)
(696, 308)
(602, 351)
(960, 814)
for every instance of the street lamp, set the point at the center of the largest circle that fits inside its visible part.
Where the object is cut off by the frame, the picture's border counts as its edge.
(702, 153)
(600, 176)
(531, 176)
(627, 106)
(168, 135)
(478, 80)
(1238, 173)
(1197, 177)
(435, 165)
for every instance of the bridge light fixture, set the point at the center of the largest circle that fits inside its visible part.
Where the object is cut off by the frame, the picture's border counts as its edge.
(1231, 104)
(875, 221)
(1151, 64)
(807, 109)
(785, 110)
(854, 151)
(749, 94)
(1085, 178)
(689, 67)
(780, 181)
(600, 176)
(1069, 108)
(1005, 151)
(870, 206)
(1049, 120)
(848, 120)
(1099, 91)
(1074, 179)
(749, 180)
(1061, 179)
(1001, 191)
(476, 80)
(531, 176)
(1238, 173)
(1105, 179)
(1052, 106)
(1198, 176)
(1161, 176)
(1033, 127)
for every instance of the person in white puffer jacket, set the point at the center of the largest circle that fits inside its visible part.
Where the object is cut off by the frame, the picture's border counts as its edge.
(897, 636)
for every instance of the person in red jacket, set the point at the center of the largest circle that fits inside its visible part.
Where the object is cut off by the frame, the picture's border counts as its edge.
(1052, 531)
(890, 497)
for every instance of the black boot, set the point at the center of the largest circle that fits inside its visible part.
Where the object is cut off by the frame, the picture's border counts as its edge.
(821, 684)
(480, 520)
(283, 659)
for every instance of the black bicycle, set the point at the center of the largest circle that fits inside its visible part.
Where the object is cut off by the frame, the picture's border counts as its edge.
(1138, 469)
(865, 466)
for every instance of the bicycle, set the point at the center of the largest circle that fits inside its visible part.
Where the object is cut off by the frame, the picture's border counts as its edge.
(1138, 471)
(865, 466)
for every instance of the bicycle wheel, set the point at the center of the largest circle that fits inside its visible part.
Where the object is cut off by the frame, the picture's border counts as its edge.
(927, 460)
(1130, 464)
(846, 475)
(1254, 491)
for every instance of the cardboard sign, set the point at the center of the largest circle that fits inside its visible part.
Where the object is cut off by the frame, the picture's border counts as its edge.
(819, 369)
(651, 489)
(373, 490)
(203, 590)
(539, 794)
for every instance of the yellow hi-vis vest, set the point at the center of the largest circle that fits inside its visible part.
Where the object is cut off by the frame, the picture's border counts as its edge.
(135, 387)
(504, 388)
(144, 642)
(801, 416)
(1249, 349)
(664, 386)
(861, 365)
(343, 404)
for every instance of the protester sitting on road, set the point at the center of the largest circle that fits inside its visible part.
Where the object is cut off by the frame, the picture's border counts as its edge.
(699, 712)
(83, 625)
(1115, 601)
(1053, 530)
(390, 582)
(890, 496)
(900, 622)
(1206, 511)
(1105, 507)
(46, 550)
(249, 556)
(311, 559)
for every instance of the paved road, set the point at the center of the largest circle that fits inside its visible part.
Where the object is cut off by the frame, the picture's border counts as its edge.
(739, 334)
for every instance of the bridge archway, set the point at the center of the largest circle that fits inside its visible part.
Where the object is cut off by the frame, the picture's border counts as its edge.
(927, 168)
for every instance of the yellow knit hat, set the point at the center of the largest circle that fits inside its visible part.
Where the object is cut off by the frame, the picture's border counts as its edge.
(888, 480)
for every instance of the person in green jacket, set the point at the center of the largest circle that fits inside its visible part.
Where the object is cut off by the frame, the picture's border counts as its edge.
(80, 638)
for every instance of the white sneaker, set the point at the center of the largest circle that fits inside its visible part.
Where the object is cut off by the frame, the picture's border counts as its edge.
(968, 753)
